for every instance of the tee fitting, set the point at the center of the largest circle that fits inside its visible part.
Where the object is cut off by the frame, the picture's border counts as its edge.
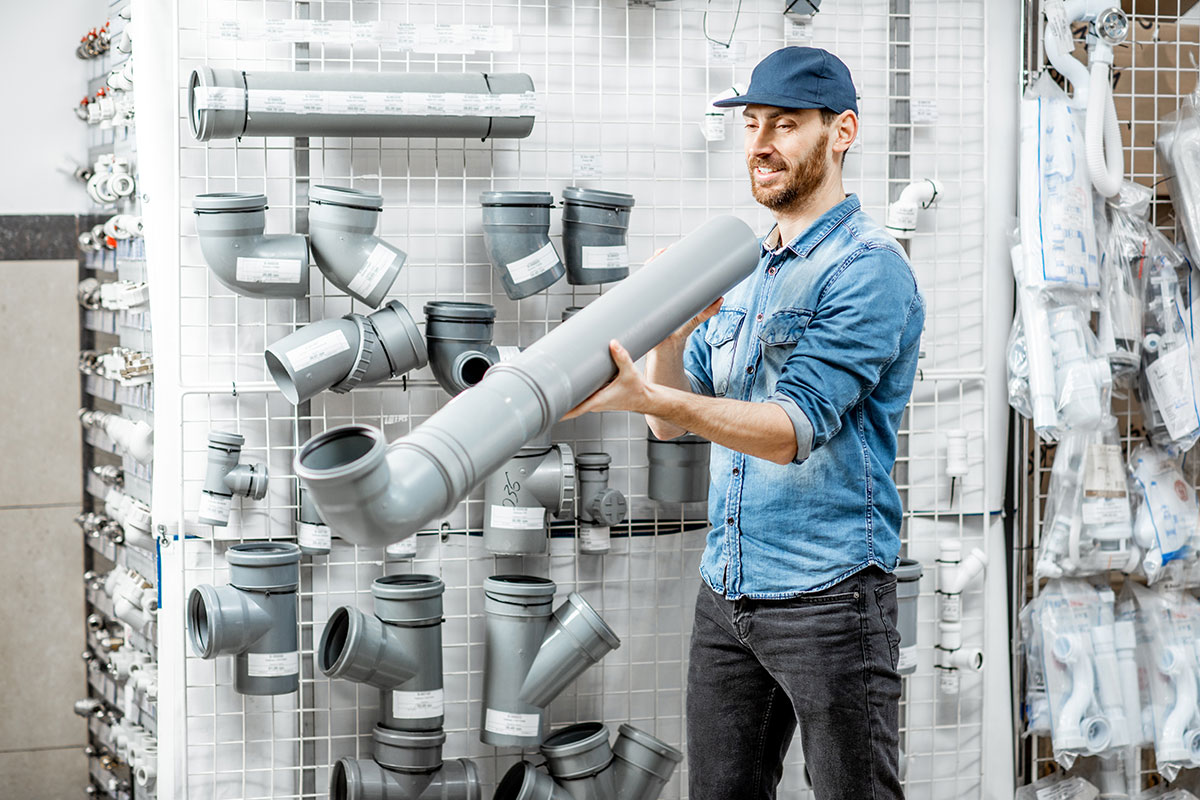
(226, 477)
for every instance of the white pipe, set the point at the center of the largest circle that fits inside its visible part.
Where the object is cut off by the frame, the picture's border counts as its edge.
(1075, 731)
(1067, 65)
(1125, 641)
(902, 214)
(1108, 682)
(713, 126)
(1176, 664)
(1105, 159)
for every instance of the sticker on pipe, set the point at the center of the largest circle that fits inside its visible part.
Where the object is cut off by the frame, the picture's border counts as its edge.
(405, 548)
(314, 537)
(373, 271)
(272, 665)
(529, 267)
(418, 705)
(508, 724)
(215, 506)
(907, 659)
(319, 349)
(268, 270)
(606, 257)
(518, 519)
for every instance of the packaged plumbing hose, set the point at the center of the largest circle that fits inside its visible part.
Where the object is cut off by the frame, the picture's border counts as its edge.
(1168, 631)
(1122, 277)
(1088, 527)
(1165, 515)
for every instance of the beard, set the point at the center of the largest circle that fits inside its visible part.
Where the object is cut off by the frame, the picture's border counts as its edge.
(799, 182)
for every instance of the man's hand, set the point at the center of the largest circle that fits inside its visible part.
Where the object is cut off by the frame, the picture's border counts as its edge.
(626, 392)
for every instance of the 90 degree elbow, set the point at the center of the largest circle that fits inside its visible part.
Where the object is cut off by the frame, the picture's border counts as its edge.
(230, 226)
(342, 225)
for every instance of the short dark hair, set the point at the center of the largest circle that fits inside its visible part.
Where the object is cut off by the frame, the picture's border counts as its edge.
(828, 117)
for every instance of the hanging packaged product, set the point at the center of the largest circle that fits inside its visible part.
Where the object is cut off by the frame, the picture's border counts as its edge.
(1037, 707)
(1168, 632)
(1166, 515)
(1088, 524)
(1054, 193)
(1122, 277)
(1179, 145)
(1017, 365)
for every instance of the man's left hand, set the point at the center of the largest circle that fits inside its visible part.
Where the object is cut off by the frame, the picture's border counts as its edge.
(627, 392)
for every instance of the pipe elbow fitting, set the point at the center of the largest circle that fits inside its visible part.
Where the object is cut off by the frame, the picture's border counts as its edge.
(240, 256)
(342, 225)
(459, 339)
(225, 478)
(902, 214)
(576, 638)
(342, 354)
(134, 438)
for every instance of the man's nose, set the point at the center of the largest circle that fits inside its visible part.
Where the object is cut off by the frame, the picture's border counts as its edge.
(759, 143)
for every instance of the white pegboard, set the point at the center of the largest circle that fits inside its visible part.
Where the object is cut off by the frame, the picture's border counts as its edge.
(623, 89)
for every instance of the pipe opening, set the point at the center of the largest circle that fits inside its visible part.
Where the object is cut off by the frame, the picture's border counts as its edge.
(574, 734)
(334, 641)
(198, 621)
(279, 373)
(264, 548)
(339, 449)
(510, 785)
(473, 368)
(193, 111)
(528, 580)
(338, 782)
(407, 580)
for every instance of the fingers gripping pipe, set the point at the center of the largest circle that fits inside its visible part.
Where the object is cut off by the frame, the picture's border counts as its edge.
(230, 226)
(253, 618)
(226, 477)
(516, 497)
(342, 354)
(341, 229)
(374, 494)
(532, 654)
(459, 339)
(408, 765)
(399, 650)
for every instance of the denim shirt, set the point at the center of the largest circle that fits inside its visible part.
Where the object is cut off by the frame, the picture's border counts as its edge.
(828, 328)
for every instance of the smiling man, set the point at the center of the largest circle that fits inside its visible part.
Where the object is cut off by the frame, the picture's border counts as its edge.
(799, 378)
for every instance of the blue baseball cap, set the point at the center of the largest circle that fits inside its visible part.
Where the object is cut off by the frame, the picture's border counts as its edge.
(799, 77)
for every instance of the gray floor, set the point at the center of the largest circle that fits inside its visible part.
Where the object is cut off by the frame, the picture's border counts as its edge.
(41, 550)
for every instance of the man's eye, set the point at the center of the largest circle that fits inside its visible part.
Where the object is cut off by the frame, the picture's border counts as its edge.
(784, 127)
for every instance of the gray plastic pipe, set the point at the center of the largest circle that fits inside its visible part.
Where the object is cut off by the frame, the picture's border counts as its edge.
(399, 650)
(373, 494)
(341, 230)
(230, 226)
(678, 469)
(600, 506)
(516, 497)
(342, 354)
(408, 765)
(312, 534)
(594, 226)
(335, 104)
(516, 233)
(908, 589)
(578, 758)
(642, 764)
(524, 781)
(532, 654)
(225, 478)
(253, 618)
(459, 339)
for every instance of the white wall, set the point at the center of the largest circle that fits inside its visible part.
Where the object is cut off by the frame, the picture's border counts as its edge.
(45, 81)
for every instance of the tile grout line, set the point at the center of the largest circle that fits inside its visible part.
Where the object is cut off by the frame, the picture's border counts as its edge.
(5, 752)
(35, 506)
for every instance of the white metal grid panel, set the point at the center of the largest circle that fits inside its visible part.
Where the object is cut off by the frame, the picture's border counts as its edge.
(624, 89)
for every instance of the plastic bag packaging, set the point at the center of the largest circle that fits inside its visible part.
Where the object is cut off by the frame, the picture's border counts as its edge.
(1058, 786)
(1165, 515)
(1037, 707)
(1017, 364)
(1122, 278)
(1055, 193)
(1168, 632)
(1179, 145)
(1088, 526)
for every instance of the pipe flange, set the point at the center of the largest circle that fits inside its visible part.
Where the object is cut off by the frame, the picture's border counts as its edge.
(566, 487)
(368, 341)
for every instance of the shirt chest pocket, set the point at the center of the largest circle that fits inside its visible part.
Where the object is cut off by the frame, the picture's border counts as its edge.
(721, 339)
(779, 336)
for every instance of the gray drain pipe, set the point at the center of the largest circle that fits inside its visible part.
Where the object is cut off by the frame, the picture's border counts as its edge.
(373, 494)
(516, 233)
(341, 230)
(230, 103)
(578, 757)
(600, 506)
(225, 478)
(252, 618)
(678, 468)
(642, 764)
(342, 354)
(523, 781)
(594, 226)
(908, 590)
(516, 497)
(459, 339)
(399, 650)
(408, 765)
(230, 226)
(533, 654)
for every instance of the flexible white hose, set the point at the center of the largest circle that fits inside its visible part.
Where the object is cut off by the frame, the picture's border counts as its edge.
(1105, 159)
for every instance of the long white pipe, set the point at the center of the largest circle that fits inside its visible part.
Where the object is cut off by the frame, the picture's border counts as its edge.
(1105, 159)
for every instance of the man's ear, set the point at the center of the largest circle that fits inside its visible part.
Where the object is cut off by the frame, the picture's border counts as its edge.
(845, 131)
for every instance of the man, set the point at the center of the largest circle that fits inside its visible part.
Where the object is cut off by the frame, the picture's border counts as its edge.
(799, 377)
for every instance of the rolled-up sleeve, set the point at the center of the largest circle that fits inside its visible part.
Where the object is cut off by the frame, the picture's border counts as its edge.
(697, 361)
(855, 333)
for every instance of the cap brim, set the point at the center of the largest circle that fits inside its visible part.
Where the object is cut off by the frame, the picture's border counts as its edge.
(761, 99)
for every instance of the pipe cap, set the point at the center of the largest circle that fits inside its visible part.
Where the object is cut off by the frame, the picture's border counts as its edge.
(341, 196)
(224, 202)
(516, 199)
(595, 197)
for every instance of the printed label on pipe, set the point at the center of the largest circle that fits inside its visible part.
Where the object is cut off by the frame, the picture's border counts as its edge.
(268, 270)
(418, 705)
(319, 349)
(594, 539)
(606, 257)
(908, 658)
(215, 506)
(518, 519)
(315, 537)
(529, 267)
(372, 271)
(713, 126)
(272, 665)
(509, 724)
(405, 548)
(415, 104)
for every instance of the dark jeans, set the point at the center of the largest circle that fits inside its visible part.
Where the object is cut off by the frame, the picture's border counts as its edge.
(825, 660)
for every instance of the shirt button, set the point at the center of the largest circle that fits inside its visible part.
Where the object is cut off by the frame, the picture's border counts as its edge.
(749, 370)
(735, 470)
(759, 317)
(729, 520)
(771, 270)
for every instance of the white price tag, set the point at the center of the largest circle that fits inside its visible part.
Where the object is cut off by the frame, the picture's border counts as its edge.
(218, 98)
(1170, 382)
(315, 537)
(215, 506)
(594, 539)
(606, 257)
(908, 658)
(923, 112)
(405, 548)
(319, 349)
(948, 681)
(268, 270)
(529, 267)
(1056, 23)
(518, 519)
(951, 607)
(713, 126)
(418, 705)
(372, 271)
(509, 724)
(719, 53)
(586, 165)
(1104, 472)
(798, 31)
(272, 665)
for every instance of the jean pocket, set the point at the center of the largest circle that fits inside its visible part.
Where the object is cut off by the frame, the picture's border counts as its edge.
(722, 338)
(885, 601)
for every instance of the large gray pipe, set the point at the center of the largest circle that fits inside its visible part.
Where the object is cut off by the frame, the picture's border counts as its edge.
(399, 650)
(459, 339)
(516, 233)
(341, 230)
(533, 654)
(341, 104)
(230, 227)
(342, 354)
(678, 469)
(516, 497)
(372, 494)
(408, 765)
(253, 618)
